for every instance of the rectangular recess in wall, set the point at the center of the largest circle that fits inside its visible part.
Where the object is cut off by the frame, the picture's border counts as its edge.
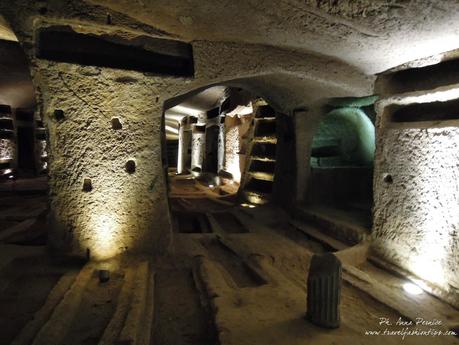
(199, 129)
(265, 128)
(5, 110)
(6, 134)
(425, 112)
(264, 150)
(40, 135)
(260, 186)
(260, 166)
(5, 165)
(423, 78)
(6, 124)
(25, 115)
(162, 57)
(212, 113)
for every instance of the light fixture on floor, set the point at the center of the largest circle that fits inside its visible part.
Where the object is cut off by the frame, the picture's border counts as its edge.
(248, 205)
(412, 289)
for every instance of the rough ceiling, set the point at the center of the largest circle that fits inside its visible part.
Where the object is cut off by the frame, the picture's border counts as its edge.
(193, 105)
(373, 35)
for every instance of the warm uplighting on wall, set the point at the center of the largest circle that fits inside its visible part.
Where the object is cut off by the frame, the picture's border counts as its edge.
(437, 44)
(171, 129)
(440, 211)
(429, 265)
(412, 289)
(241, 110)
(430, 213)
(104, 240)
(429, 261)
(232, 157)
(6, 33)
(435, 96)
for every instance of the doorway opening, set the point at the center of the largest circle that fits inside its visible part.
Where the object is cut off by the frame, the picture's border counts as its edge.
(23, 151)
(220, 150)
(340, 186)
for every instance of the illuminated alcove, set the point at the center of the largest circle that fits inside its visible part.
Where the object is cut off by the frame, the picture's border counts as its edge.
(23, 144)
(23, 149)
(341, 163)
(219, 143)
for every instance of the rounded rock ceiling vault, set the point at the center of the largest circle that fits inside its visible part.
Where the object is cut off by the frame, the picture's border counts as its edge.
(371, 35)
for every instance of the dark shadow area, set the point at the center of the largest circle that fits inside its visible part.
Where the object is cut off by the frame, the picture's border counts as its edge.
(164, 57)
(419, 112)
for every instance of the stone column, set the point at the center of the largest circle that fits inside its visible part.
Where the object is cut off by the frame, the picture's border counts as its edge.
(198, 148)
(184, 143)
(221, 144)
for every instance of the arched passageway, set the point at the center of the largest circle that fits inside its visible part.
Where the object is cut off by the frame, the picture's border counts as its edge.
(260, 189)
(23, 147)
(23, 189)
(221, 146)
(340, 181)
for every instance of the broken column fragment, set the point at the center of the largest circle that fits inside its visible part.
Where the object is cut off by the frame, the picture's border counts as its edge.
(324, 291)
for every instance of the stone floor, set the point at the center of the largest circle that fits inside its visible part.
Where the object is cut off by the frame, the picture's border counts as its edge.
(235, 275)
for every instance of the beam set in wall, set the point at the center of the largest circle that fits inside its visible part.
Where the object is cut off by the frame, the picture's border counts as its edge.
(416, 180)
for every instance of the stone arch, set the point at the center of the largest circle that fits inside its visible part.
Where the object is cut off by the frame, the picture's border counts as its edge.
(262, 86)
(124, 211)
(346, 134)
(22, 92)
(340, 156)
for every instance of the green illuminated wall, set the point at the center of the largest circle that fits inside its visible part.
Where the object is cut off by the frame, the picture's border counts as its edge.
(345, 137)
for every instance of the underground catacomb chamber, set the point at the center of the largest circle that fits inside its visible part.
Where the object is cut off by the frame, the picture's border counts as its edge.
(185, 173)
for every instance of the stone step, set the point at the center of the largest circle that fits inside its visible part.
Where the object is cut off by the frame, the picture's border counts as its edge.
(349, 227)
(265, 139)
(258, 185)
(256, 197)
(265, 119)
(265, 127)
(266, 167)
(266, 150)
(261, 175)
(263, 158)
